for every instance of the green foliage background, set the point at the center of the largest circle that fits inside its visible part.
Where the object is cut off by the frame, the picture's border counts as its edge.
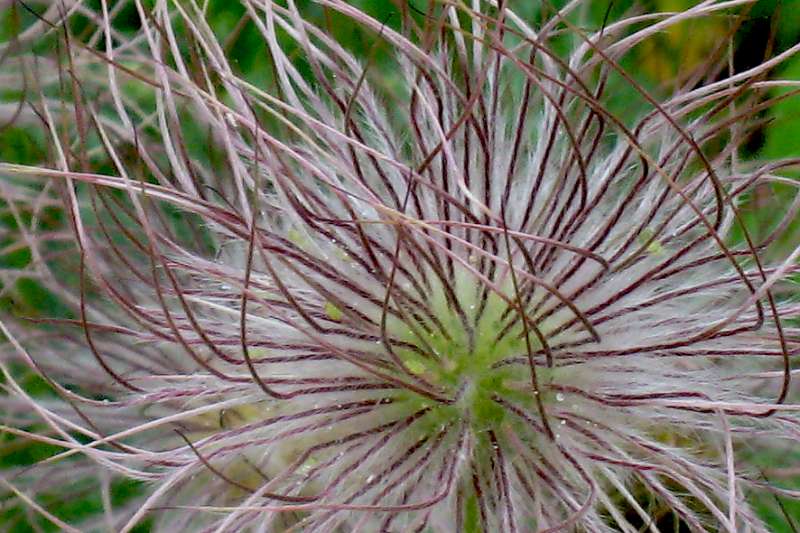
(676, 49)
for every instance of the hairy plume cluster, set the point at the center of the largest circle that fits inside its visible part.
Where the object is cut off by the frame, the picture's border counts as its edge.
(473, 278)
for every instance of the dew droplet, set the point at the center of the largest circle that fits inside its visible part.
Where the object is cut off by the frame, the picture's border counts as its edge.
(559, 397)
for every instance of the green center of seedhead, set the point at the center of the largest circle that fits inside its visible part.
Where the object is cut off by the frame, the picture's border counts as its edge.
(460, 356)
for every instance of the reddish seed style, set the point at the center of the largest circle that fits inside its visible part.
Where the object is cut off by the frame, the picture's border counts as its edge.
(476, 277)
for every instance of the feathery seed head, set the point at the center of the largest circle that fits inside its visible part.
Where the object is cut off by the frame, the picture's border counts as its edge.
(496, 285)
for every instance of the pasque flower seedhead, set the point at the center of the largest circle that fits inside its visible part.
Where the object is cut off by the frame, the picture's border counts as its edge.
(477, 276)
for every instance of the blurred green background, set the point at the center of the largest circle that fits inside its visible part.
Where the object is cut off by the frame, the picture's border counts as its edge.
(771, 25)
